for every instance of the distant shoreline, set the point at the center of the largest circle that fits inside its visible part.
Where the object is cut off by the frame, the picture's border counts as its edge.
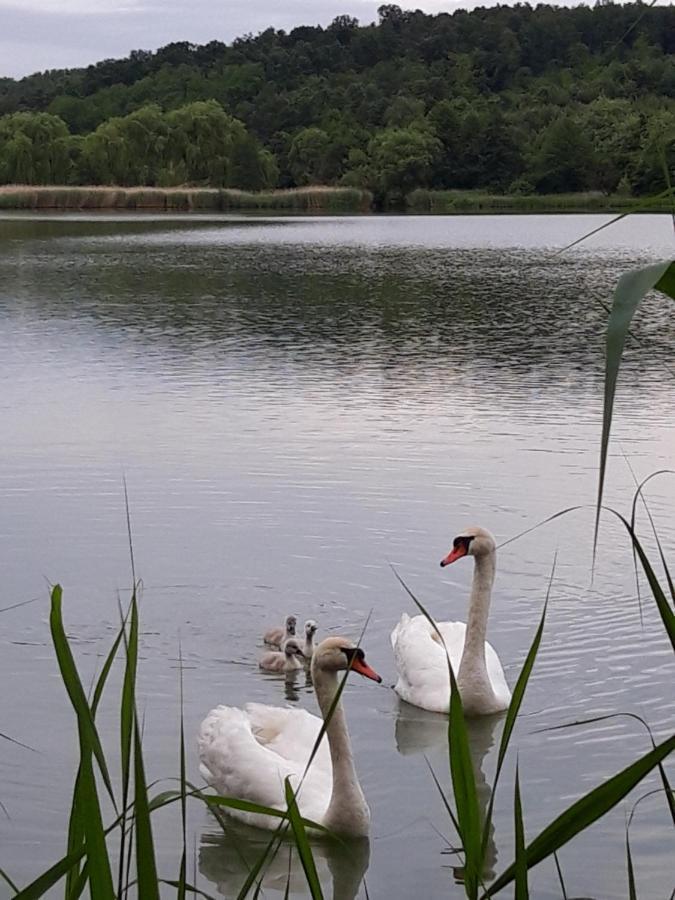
(314, 199)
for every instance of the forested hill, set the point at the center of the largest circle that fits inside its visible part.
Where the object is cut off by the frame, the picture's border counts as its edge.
(507, 98)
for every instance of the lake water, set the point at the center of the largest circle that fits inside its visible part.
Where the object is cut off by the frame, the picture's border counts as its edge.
(297, 404)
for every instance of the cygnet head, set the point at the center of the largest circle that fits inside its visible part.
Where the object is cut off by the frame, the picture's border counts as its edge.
(310, 628)
(291, 622)
(473, 541)
(293, 648)
(335, 654)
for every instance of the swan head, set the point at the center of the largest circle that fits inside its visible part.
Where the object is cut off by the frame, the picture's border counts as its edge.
(473, 541)
(336, 654)
(293, 648)
(290, 623)
(310, 628)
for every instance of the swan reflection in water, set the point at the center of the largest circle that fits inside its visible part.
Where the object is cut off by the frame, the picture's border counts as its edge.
(226, 860)
(419, 731)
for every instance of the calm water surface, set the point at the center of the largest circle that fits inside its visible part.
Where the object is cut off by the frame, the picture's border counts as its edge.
(297, 404)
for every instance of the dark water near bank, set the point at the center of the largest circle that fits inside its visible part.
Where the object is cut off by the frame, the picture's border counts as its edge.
(296, 404)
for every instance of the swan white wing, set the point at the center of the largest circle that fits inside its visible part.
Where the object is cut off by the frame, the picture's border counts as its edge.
(292, 734)
(237, 764)
(421, 661)
(423, 668)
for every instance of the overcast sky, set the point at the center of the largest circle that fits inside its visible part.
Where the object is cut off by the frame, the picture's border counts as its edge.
(55, 34)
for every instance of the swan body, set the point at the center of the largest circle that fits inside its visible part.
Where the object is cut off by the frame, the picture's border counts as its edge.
(310, 630)
(248, 753)
(290, 659)
(276, 636)
(420, 656)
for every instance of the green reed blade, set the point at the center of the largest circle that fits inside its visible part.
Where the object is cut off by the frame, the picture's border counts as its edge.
(560, 875)
(127, 719)
(520, 866)
(663, 606)
(12, 740)
(302, 844)
(74, 689)
(5, 877)
(146, 867)
(446, 802)
(78, 884)
(632, 890)
(514, 708)
(629, 292)
(585, 811)
(667, 194)
(639, 493)
(100, 876)
(670, 799)
(183, 784)
(74, 882)
(45, 881)
(461, 770)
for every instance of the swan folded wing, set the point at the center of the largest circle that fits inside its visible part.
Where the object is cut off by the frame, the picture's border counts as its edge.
(422, 664)
(292, 733)
(236, 764)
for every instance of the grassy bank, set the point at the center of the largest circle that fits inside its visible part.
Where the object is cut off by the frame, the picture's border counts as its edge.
(477, 201)
(310, 199)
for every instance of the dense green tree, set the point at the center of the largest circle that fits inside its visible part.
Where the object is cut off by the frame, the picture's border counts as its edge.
(34, 149)
(565, 160)
(402, 159)
(490, 84)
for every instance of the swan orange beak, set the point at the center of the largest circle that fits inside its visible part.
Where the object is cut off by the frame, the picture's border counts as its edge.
(364, 669)
(456, 553)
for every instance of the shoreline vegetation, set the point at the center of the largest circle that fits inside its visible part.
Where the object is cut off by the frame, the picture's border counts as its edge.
(311, 199)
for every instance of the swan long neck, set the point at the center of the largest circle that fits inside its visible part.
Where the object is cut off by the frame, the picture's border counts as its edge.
(347, 811)
(473, 657)
(309, 645)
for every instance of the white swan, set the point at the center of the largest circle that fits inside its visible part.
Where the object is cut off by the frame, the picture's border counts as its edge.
(290, 659)
(276, 636)
(310, 630)
(248, 753)
(422, 665)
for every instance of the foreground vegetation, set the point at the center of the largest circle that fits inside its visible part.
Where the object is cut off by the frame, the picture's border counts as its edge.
(515, 100)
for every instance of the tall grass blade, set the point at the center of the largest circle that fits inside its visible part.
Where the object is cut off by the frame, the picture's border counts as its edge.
(302, 844)
(560, 875)
(17, 605)
(632, 890)
(585, 811)
(464, 789)
(100, 876)
(12, 740)
(667, 194)
(639, 493)
(127, 720)
(74, 883)
(183, 785)
(665, 611)
(514, 708)
(662, 772)
(5, 877)
(446, 803)
(520, 865)
(461, 770)
(73, 685)
(630, 291)
(54, 874)
(146, 868)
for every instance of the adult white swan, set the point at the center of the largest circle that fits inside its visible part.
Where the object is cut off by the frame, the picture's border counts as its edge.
(422, 665)
(248, 753)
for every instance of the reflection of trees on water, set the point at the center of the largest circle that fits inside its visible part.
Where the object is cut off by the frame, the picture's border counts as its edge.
(419, 731)
(402, 308)
(226, 860)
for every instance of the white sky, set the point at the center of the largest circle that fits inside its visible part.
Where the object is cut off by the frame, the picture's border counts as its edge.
(52, 34)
